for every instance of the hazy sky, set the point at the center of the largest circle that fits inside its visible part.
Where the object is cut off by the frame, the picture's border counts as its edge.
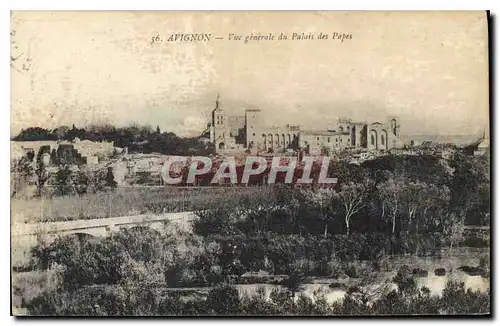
(430, 69)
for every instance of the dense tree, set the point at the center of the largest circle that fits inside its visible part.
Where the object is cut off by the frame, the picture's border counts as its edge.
(35, 133)
(41, 177)
(137, 138)
(470, 186)
(110, 178)
(64, 181)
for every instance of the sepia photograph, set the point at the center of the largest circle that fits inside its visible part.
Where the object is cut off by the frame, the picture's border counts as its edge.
(250, 163)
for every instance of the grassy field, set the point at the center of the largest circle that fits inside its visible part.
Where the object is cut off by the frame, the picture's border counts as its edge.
(123, 202)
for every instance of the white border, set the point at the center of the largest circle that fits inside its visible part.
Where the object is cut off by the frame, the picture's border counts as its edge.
(492, 5)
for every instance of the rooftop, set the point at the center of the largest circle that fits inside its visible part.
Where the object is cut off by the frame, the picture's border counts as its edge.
(322, 132)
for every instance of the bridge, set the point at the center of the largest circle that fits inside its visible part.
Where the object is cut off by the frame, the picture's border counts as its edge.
(25, 236)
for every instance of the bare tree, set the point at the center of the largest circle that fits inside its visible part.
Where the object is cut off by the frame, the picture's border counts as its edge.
(454, 228)
(415, 192)
(390, 197)
(352, 198)
(389, 194)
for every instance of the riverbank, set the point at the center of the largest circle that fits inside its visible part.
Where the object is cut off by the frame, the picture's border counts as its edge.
(28, 285)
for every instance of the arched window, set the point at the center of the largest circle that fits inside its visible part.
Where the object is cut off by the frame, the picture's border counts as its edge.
(394, 126)
(382, 140)
(374, 138)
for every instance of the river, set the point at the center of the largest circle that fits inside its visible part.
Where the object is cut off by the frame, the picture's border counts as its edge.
(449, 260)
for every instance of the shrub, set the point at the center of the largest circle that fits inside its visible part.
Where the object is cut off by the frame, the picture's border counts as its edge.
(404, 281)
(224, 300)
(456, 300)
(420, 272)
(64, 181)
(475, 242)
(351, 271)
(440, 271)
(88, 260)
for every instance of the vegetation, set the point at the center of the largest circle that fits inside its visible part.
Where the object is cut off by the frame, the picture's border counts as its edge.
(389, 206)
(225, 300)
(143, 139)
(99, 201)
(141, 271)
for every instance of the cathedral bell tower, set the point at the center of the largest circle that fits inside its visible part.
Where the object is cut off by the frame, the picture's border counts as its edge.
(220, 126)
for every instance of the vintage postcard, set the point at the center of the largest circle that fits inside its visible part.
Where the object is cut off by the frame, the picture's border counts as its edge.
(217, 163)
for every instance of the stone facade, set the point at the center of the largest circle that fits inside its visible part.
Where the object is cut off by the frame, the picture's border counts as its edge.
(262, 138)
(317, 141)
(249, 132)
(83, 151)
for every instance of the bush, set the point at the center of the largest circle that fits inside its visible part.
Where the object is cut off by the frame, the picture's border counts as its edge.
(439, 272)
(88, 260)
(224, 300)
(351, 271)
(404, 280)
(420, 272)
(64, 181)
(457, 300)
(214, 222)
(475, 242)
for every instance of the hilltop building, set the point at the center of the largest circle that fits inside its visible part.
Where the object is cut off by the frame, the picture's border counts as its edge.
(248, 132)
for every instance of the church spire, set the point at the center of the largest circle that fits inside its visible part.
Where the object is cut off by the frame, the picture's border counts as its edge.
(217, 101)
